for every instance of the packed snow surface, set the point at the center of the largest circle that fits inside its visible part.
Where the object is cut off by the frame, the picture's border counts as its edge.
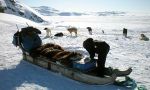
(16, 74)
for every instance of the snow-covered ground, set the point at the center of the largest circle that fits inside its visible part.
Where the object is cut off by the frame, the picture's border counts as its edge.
(16, 74)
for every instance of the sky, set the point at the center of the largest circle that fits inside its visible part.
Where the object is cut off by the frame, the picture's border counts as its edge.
(92, 5)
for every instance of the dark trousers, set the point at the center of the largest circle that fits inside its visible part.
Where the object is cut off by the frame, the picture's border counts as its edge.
(102, 54)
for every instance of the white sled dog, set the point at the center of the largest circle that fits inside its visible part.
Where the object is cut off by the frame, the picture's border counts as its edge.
(48, 32)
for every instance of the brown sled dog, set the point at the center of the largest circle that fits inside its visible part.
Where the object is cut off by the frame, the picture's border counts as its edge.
(72, 29)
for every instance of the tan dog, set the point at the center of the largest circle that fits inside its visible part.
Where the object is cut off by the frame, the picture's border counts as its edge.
(144, 37)
(72, 29)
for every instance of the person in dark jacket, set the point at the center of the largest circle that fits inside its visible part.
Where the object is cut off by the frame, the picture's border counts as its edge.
(97, 47)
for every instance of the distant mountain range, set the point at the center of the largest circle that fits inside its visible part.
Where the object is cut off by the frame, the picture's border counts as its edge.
(48, 11)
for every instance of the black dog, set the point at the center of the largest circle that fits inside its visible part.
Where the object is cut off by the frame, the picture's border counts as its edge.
(90, 30)
(124, 32)
(59, 34)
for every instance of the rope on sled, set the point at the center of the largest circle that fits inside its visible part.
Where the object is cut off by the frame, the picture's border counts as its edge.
(129, 83)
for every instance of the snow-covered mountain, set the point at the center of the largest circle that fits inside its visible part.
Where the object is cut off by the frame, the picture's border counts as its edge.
(110, 13)
(48, 11)
(19, 9)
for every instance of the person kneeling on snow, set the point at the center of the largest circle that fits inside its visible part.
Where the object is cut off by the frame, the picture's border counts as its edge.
(97, 47)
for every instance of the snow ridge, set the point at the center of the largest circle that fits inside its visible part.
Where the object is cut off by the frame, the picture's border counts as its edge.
(16, 8)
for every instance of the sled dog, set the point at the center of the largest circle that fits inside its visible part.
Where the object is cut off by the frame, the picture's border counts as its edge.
(72, 29)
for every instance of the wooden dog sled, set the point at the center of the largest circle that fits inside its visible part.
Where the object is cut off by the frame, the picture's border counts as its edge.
(75, 74)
